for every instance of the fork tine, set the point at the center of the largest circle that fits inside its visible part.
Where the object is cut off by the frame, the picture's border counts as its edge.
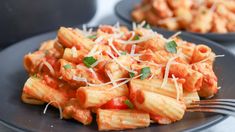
(221, 111)
(212, 106)
(218, 100)
(213, 103)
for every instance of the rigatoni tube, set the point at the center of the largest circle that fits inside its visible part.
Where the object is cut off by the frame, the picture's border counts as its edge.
(96, 96)
(157, 104)
(121, 119)
(154, 85)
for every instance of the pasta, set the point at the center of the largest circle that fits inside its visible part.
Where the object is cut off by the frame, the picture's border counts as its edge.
(201, 16)
(129, 79)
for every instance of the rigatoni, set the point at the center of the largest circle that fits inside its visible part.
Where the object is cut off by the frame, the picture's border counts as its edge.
(189, 97)
(73, 110)
(121, 119)
(154, 85)
(36, 88)
(96, 96)
(158, 104)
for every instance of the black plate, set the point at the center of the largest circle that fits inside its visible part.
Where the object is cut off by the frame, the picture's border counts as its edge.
(20, 116)
(123, 10)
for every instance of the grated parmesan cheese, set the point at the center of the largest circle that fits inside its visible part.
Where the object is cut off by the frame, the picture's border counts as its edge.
(60, 109)
(116, 60)
(110, 42)
(74, 52)
(48, 65)
(142, 39)
(176, 87)
(167, 70)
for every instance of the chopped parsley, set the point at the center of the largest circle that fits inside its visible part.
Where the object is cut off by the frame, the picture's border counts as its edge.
(145, 73)
(129, 104)
(123, 53)
(88, 61)
(171, 46)
(35, 75)
(147, 26)
(67, 66)
(131, 74)
(46, 52)
(136, 37)
(92, 37)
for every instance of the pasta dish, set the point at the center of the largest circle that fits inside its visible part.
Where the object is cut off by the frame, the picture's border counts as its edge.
(201, 16)
(128, 78)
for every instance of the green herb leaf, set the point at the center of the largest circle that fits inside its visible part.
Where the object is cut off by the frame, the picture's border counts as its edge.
(136, 37)
(171, 46)
(35, 75)
(145, 73)
(67, 66)
(92, 37)
(88, 61)
(46, 52)
(147, 26)
(123, 53)
(131, 74)
(129, 104)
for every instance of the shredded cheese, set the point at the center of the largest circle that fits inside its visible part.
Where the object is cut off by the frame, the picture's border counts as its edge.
(149, 62)
(93, 72)
(80, 79)
(124, 82)
(142, 39)
(151, 77)
(206, 59)
(133, 26)
(167, 70)
(96, 63)
(60, 109)
(141, 24)
(84, 28)
(48, 65)
(103, 84)
(111, 78)
(74, 52)
(99, 39)
(110, 42)
(116, 60)
(92, 51)
(174, 35)
(132, 35)
(176, 87)
(133, 50)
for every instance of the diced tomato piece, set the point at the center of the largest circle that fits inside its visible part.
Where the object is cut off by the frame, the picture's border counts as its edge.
(116, 103)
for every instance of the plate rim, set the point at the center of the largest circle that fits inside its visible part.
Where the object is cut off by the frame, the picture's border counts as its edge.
(218, 119)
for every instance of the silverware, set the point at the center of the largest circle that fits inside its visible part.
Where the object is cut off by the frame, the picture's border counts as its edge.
(222, 106)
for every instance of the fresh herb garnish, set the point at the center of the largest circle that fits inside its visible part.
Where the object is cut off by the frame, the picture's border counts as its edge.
(92, 37)
(67, 66)
(147, 26)
(88, 61)
(46, 52)
(171, 46)
(129, 104)
(35, 75)
(145, 73)
(136, 37)
(131, 74)
(123, 53)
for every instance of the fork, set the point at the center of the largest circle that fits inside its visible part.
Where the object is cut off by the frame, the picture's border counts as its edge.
(222, 106)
